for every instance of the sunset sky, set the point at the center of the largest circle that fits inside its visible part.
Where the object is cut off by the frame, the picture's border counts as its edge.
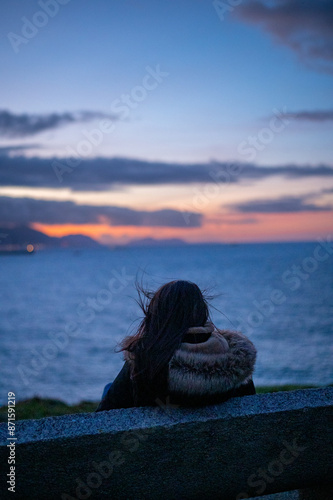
(201, 120)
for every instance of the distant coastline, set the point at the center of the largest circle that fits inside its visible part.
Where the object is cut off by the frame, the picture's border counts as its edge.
(23, 240)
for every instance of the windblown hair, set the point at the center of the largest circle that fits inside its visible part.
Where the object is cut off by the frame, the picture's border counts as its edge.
(168, 314)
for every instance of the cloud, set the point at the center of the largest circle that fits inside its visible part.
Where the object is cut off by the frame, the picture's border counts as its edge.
(16, 211)
(23, 125)
(246, 220)
(110, 173)
(305, 26)
(318, 116)
(5, 150)
(327, 190)
(223, 220)
(285, 204)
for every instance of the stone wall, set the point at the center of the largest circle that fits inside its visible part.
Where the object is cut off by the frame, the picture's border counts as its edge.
(245, 447)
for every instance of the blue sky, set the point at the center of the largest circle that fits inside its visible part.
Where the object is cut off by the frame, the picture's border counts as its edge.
(224, 79)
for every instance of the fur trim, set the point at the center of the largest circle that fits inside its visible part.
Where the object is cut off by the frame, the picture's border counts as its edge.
(208, 328)
(225, 361)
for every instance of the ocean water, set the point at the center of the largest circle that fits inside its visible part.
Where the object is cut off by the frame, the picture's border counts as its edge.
(63, 312)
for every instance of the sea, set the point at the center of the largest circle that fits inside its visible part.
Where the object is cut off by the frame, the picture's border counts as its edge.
(65, 311)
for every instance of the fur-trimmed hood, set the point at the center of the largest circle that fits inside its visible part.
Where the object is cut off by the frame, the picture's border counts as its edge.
(224, 360)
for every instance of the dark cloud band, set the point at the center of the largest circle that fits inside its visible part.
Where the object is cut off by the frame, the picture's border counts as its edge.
(305, 26)
(24, 125)
(17, 211)
(285, 204)
(317, 116)
(104, 174)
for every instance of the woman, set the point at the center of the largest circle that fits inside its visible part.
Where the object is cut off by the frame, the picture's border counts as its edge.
(179, 357)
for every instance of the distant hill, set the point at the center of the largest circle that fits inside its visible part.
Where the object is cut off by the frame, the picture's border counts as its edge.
(79, 240)
(152, 242)
(21, 236)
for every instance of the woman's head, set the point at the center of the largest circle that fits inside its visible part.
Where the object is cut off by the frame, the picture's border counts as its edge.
(168, 314)
(178, 304)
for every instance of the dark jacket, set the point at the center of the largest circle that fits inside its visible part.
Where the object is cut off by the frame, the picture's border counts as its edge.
(206, 370)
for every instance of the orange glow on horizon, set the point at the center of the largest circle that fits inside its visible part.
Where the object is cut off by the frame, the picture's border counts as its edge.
(298, 226)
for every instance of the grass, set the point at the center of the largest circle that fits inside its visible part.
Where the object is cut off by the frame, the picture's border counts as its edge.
(38, 408)
(264, 390)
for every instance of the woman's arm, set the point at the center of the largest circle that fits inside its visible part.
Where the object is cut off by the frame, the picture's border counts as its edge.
(120, 393)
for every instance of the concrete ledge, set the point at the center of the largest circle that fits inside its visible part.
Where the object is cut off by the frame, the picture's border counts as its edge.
(245, 447)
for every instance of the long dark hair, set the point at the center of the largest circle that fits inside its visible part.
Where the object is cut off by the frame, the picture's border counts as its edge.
(168, 313)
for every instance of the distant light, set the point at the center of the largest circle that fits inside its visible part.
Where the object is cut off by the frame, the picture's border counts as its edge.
(30, 248)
